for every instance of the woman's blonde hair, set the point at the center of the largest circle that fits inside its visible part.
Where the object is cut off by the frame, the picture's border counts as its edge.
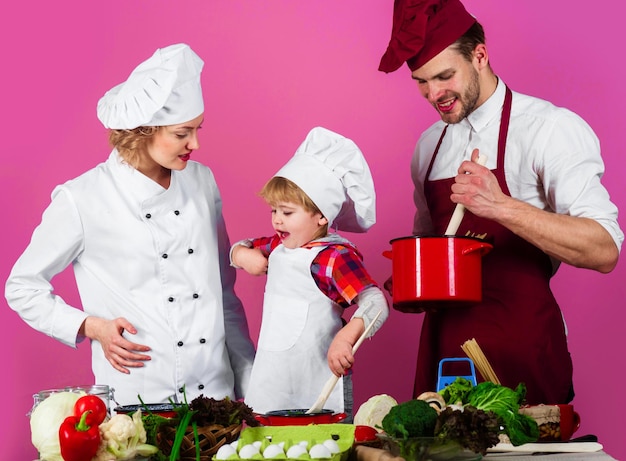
(132, 144)
(279, 189)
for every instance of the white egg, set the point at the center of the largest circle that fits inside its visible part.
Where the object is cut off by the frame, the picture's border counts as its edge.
(272, 451)
(319, 451)
(248, 451)
(282, 445)
(235, 444)
(296, 451)
(257, 443)
(332, 446)
(304, 443)
(225, 451)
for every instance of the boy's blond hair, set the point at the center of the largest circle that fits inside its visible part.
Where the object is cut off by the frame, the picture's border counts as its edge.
(279, 189)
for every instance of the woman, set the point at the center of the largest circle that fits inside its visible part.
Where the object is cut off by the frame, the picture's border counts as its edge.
(145, 235)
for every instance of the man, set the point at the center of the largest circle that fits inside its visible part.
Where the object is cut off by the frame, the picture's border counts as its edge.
(539, 200)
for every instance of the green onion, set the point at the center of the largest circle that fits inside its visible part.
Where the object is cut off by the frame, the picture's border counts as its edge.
(196, 439)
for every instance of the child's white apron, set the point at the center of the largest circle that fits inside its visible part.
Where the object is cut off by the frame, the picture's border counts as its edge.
(299, 322)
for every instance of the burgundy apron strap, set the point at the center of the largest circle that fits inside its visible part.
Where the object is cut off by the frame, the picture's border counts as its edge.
(432, 159)
(504, 130)
(504, 126)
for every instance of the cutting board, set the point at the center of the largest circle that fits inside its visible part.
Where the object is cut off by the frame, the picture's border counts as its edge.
(548, 447)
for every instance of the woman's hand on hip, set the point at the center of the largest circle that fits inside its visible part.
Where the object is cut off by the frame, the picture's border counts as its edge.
(120, 352)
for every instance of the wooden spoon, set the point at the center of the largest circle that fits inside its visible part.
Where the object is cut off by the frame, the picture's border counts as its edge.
(459, 210)
(332, 381)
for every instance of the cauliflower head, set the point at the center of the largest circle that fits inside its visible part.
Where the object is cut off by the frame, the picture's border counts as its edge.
(123, 437)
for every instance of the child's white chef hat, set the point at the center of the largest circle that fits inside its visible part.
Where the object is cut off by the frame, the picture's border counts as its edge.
(163, 90)
(332, 171)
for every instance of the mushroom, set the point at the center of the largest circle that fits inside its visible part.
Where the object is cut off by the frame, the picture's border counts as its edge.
(434, 399)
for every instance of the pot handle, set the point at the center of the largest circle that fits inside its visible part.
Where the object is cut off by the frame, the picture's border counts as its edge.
(482, 247)
(576, 422)
(388, 254)
(262, 419)
(337, 417)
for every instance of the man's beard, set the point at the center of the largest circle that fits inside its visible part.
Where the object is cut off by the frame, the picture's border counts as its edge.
(465, 102)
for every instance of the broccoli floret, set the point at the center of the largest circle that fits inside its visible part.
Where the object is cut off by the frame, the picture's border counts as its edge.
(414, 418)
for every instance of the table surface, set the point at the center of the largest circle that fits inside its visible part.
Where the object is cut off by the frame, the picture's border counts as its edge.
(595, 456)
(362, 453)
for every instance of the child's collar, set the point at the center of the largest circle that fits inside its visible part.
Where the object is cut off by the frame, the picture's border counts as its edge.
(326, 240)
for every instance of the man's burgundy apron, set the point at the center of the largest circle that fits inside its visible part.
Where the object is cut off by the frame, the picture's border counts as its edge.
(518, 325)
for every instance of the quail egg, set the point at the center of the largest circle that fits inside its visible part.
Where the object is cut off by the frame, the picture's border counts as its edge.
(319, 451)
(248, 451)
(225, 451)
(272, 451)
(295, 451)
(332, 446)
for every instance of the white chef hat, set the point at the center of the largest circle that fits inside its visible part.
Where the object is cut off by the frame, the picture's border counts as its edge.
(332, 171)
(163, 90)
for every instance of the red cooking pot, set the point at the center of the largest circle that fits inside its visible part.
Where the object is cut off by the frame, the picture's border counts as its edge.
(446, 270)
(299, 417)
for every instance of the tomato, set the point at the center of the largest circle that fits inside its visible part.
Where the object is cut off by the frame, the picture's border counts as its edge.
(365, 434)
(95, 405)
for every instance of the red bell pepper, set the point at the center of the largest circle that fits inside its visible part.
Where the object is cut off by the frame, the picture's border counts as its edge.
(78, 440)
(96, 407)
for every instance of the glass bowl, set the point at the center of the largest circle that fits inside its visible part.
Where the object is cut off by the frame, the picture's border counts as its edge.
(427, 449)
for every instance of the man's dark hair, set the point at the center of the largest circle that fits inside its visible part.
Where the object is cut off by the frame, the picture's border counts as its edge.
(474, 36)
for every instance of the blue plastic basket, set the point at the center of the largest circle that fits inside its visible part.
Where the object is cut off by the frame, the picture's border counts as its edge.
(445, 380)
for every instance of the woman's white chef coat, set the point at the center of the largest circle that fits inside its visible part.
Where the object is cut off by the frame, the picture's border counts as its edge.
(159, 258)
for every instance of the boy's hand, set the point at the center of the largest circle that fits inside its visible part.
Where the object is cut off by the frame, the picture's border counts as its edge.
(340, 356)
(250, 259)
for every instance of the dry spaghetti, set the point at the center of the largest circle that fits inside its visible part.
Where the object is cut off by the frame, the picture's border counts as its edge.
(474, 352)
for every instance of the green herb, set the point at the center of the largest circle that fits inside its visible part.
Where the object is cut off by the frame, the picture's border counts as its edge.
(456, 391)
(185, 414)
(152, 422)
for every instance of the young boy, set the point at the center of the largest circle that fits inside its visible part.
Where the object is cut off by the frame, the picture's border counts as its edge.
(312, 276)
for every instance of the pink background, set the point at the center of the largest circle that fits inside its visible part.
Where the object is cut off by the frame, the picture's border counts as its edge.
(274, 69)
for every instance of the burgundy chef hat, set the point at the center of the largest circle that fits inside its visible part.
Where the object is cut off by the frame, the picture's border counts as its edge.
(422, 29)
